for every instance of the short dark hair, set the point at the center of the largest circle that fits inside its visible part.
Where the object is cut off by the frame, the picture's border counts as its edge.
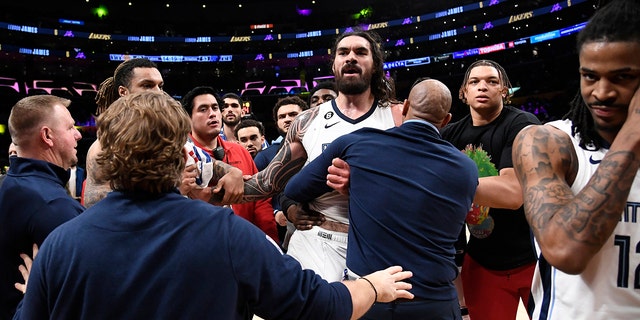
(108, 89)
(187, 100)
(249, 123)
(288, 100)
(327, 84)
(232, 96)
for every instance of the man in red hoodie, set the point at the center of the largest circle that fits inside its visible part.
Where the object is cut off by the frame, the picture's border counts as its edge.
(203, 106)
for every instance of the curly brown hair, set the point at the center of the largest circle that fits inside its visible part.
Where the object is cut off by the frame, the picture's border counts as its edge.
(142, 137)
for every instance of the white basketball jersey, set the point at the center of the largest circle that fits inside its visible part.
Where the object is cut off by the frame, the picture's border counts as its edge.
(328, 125)
(609, 288)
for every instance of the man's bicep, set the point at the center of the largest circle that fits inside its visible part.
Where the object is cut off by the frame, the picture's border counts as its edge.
(541, 159)
(289, 159)
(96, 186)
(286, 163)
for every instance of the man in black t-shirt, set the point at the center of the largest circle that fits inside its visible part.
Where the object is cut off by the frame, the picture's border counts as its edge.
(500, 260)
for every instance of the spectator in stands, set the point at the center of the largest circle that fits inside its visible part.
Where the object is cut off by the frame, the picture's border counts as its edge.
(285, 110)
(13, 152)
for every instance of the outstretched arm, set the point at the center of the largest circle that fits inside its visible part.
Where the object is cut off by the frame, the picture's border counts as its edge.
(381, 286)
(571, 229)
(286, 163)
(502, 191)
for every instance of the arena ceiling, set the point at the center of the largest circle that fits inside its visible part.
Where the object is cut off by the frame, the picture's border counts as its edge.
(224, 17)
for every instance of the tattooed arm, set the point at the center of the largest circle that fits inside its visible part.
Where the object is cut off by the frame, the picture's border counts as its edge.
(286, 163)
(571, 229)
(96, 187)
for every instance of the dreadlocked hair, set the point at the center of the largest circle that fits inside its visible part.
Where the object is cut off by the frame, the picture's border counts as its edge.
(582, 125)
(106, 95)
(108, 89)
(615, 21)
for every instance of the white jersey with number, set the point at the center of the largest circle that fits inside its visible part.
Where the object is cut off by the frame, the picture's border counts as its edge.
(609, 288)
(328, 125)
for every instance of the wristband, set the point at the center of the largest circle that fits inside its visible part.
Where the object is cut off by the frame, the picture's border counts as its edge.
(285, 203)
(373, 287)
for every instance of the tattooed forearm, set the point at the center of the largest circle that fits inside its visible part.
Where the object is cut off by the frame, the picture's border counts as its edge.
(220, 168)
(273, 178)
(546, 165)
(286, 163)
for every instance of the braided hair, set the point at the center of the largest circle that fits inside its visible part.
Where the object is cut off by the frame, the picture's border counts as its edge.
(616, 21)
(108, 89)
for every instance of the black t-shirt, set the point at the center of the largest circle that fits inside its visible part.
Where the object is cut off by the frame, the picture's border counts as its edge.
(510, 244)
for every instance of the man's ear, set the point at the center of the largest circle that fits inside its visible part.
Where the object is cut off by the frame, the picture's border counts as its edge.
(405, 108)
(122, 91)
(45, 135)
(446, 120)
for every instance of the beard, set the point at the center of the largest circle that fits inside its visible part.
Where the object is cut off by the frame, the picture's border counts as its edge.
(231, 123)
(353, 85)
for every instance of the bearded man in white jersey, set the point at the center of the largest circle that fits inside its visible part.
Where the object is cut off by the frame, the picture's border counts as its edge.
(364, 100)
(580, 180)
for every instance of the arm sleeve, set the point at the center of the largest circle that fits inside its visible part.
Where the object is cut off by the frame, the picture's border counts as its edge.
(51, 216)
(285, 203)
(311, 181)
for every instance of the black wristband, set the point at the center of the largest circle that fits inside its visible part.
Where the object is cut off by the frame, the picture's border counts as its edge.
(285, 203)
(374, 288)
